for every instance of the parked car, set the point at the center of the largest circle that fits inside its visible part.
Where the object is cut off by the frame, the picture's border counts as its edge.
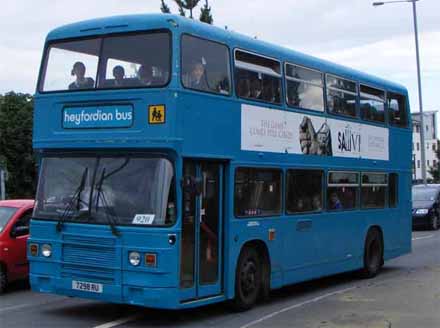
(14, 231)
(426, 206)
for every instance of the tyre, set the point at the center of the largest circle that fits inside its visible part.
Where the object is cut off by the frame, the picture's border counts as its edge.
(3, 279)
(248, 279)
(434, 223)
(373, 254)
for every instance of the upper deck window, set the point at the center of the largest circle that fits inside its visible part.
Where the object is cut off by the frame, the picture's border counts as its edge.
(205, 65)
(341, 96)
(305, 88)
(372, 104)
(71, 65)
(121, 61)
(397, 111)
(257, 77)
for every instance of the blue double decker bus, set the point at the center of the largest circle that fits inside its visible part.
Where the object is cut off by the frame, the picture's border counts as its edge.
(182, 164)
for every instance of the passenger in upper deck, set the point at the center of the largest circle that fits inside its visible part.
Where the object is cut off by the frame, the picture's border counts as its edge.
(198, 77)
(81, 82)
(119, 75)
(145, 76)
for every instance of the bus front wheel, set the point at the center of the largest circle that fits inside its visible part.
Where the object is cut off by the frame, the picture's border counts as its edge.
(248, 279)
(373, 254)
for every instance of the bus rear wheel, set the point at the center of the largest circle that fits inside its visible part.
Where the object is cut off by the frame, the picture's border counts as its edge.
(373, 254)
(248, 279)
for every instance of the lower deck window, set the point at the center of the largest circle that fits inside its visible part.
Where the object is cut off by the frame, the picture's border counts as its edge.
(342, 191)
(257, 192)
(303, 191)
(374, 186)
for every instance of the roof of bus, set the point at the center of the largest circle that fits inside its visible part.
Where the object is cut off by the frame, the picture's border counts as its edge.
(129, 23)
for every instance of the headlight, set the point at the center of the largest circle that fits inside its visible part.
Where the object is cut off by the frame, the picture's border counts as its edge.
(46, 250)
(422, 211)
(134, 258)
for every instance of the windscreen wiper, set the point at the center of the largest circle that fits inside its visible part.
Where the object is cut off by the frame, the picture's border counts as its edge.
(109, 213)
(75, 198)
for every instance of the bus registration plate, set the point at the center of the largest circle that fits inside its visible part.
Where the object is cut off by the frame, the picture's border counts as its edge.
(87, 286)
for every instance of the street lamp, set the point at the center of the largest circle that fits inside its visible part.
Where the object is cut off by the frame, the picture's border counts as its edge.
(419, 80)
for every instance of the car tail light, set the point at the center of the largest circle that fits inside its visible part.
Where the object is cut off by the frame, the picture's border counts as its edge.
(150, 260)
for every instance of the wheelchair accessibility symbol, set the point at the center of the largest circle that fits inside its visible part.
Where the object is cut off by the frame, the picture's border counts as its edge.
(156, 114)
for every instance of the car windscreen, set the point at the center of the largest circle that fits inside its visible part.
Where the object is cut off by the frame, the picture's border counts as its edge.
(126, 190)
(136, 60)
(424, 194)
(6, 214)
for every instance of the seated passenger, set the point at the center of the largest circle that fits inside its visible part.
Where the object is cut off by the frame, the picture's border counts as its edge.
(145, 76)
(316, 203)
(334, 202)
(119, 75)
(256, 89)
(243, 88)
(198, 77)
(81, 82)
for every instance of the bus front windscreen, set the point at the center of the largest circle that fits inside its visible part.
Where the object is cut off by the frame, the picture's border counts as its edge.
(125, 190)
(140, 60)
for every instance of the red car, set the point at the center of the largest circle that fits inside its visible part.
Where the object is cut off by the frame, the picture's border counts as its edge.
(14, 231)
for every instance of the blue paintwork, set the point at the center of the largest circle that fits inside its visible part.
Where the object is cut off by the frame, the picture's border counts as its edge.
(206, 126)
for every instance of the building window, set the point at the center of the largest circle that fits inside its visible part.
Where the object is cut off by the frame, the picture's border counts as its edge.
(435, 162)
(417, 129)
(427, 163)
(418, 146)
(433, 146)
(303, 191)
(342, 190)
(418, 163)
(257, 192)
(373, 189)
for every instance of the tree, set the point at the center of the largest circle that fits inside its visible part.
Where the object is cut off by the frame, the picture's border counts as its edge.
(435, 170)
(164, 8)
(184, 5)
(187, 5)
(16, 116)
(205, 14)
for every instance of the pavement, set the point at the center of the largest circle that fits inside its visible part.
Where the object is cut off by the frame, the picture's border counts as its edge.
(406, 295)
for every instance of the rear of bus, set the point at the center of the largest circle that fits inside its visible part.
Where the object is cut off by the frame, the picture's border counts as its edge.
(104, 225)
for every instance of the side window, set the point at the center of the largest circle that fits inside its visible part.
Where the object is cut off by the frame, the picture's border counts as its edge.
(342, 190)
(257, 192)
(393, 195)
(341, 96)
(303, 191)
(372, 104)
(374, 186)
(21, 227)
(257, 77)
(205, 65)
(397, 111)
(305, 88)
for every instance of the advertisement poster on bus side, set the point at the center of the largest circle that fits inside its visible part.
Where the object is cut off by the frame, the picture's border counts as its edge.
(280, 131)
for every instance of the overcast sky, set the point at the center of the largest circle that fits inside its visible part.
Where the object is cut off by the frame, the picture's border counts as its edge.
(378, 40)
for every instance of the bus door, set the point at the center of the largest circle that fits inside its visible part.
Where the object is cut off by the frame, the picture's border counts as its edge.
(202, 218)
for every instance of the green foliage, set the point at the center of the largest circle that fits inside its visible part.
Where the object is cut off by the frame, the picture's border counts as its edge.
(16, 115)
(187, 5)
(205, 14)
(164, 8)
(184, 5)
(435, 170)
